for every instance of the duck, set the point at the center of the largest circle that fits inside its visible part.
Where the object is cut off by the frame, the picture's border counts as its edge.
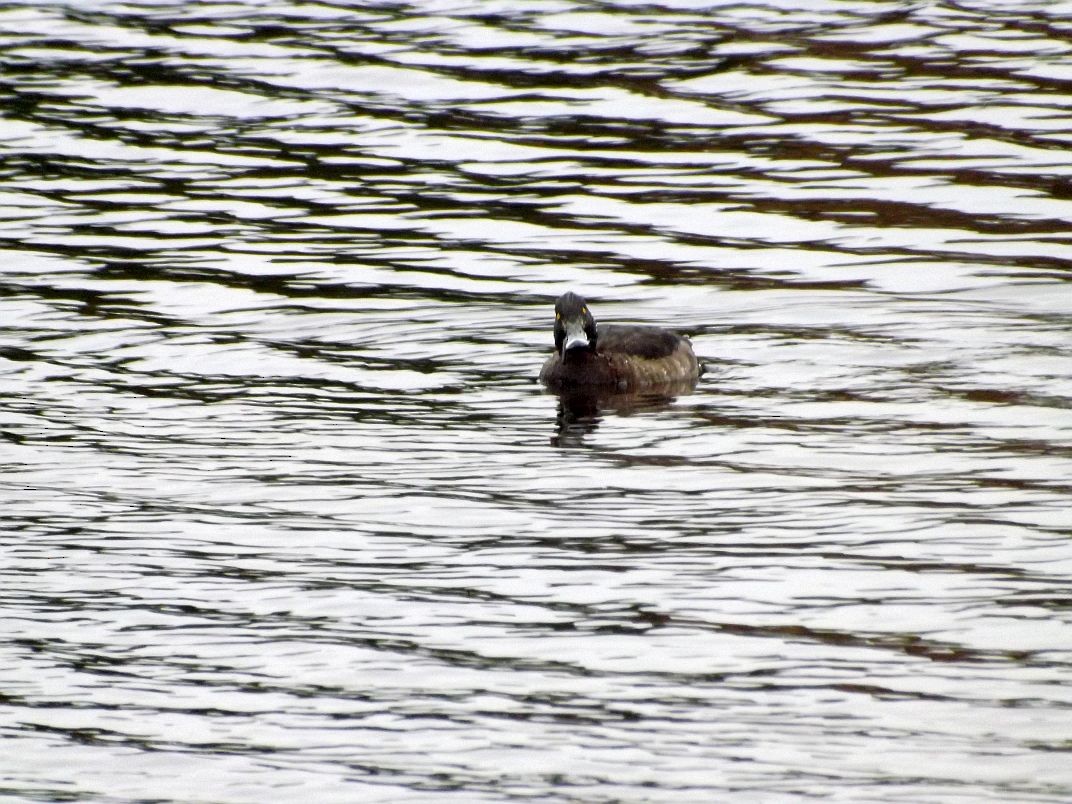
(614, 357)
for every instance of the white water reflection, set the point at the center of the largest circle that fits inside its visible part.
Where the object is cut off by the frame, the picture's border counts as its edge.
(288, 518)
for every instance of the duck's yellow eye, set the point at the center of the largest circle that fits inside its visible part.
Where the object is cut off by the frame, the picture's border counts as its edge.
(558, 317)
(584, 311)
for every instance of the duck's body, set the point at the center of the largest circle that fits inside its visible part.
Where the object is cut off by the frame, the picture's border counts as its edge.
(613, 356)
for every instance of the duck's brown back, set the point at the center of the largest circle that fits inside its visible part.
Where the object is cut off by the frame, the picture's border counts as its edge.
(626, 356)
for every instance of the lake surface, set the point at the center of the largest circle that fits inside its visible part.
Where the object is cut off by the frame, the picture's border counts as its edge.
(288, 518)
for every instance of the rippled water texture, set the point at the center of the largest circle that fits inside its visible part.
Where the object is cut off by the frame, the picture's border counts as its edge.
(286, 516)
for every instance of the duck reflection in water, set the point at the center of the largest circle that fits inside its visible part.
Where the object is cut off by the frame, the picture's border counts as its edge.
(619, 367)
(581, 409)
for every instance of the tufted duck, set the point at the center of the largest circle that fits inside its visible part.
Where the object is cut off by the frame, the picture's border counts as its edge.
(613, 356)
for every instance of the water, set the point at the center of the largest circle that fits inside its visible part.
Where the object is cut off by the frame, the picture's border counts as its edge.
(288, 518)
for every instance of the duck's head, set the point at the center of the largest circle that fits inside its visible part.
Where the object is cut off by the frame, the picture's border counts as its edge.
(575, 328)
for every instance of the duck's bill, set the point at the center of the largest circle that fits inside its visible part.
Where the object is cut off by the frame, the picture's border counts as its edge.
(575, 338)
